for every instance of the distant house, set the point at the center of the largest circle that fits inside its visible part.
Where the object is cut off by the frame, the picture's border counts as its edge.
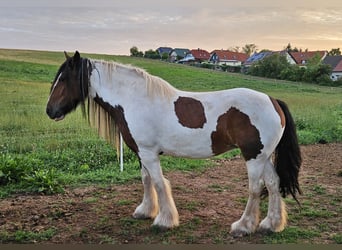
(196, 55)
(227, 57)
(163, 50)
(178, 54)
(289, 58)
(337, 72)
(189, 58)
(301, 58)
(256, 57)
(200, 55)
(336, 64)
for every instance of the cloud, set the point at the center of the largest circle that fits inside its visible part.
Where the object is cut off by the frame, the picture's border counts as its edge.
(321, 17)
(114, 26)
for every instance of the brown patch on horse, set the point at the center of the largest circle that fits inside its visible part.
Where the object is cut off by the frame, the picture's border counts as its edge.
(118, 114)
(234, 129)
(279, 111)
(190, 112)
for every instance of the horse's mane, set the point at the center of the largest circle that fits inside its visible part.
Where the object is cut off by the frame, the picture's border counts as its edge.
(154, 85)
(105, 125)
(100, 119)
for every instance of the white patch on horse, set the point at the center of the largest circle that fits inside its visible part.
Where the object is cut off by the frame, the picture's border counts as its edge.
(54, 85)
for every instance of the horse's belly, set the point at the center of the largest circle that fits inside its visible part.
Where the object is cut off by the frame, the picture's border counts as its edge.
(188, 146)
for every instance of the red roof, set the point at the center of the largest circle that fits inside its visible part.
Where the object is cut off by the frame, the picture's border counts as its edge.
(302, 57)
(200, 54)
(227, 55)
(338, 67)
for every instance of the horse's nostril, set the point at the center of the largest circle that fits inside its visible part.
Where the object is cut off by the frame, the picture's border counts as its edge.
(48, 111)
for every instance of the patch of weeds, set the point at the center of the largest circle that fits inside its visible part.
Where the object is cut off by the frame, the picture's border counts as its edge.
(315, 213)
(44, 181)
(178, 234)
(22, 236)
(124, 202)
(28, 172)
(242, 200)
(319, 189)
(83, 234)
(290, 235)
(56, 213)
(339, 173)
(106, 239)
(218, 188)
(90, 200)
(195, 222)
(192, 205)
(323, 226)
(218, 235)
(191, 239)
(128, 222)
(337, 238)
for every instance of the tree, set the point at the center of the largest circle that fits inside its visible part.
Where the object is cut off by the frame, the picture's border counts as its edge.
(165, 56)
(334, 52)
(152, 54)
(271, 67)
(290, 49)
(135, 52)
(249, 49)
(234, 49)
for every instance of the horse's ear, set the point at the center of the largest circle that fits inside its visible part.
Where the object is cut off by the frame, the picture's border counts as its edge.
(66, 55)
(76, 58)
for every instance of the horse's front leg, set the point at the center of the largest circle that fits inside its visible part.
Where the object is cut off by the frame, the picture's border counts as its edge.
(149, 206)
(168, 214)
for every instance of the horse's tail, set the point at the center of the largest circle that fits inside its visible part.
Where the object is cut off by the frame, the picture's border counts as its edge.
(288, 157)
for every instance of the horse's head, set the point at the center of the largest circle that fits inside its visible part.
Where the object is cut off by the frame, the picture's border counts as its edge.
(69, 88)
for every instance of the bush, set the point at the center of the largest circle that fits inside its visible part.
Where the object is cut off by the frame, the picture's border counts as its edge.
(274, 66)
(29, 172)
(229, 68)
(337, 83)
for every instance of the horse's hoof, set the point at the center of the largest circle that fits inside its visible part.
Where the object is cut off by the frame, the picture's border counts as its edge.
(140, 216)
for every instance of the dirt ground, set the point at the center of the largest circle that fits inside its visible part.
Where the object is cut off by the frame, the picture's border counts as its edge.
(208, 202)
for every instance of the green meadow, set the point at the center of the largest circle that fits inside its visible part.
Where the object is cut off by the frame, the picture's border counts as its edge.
(40, 155)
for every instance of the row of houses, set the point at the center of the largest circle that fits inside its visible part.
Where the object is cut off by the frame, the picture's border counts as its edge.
(238, 59)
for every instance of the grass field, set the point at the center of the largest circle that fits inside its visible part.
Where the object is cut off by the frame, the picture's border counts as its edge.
(37, 154)
(40, 155)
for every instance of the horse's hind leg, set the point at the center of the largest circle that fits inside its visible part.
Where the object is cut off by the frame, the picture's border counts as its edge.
(250, 218)
(276, 218)
(149, 206)
(249, 221)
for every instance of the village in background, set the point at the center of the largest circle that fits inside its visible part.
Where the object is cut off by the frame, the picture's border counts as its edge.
(293, 64)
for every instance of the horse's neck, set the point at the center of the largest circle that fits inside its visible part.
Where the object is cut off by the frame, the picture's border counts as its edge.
(112, 81)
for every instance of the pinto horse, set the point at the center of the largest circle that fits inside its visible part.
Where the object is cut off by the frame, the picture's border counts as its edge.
(155, 118)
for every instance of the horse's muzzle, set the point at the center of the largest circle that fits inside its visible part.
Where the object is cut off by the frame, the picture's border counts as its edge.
(54, 114)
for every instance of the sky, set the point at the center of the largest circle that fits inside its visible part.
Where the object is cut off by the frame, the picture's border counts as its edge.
(114, 26)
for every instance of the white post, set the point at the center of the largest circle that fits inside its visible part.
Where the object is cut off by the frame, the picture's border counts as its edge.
(121, 153)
